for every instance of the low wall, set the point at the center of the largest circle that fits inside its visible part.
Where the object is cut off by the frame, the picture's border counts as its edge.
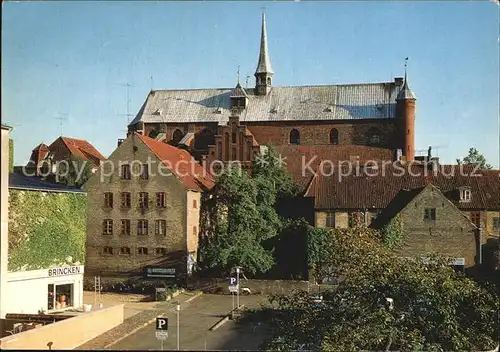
(67, 334)
(264, 287)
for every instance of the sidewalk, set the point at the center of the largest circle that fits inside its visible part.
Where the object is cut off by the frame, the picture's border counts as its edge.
(136, 320)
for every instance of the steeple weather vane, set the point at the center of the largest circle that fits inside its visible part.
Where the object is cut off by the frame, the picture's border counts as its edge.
(238, 72)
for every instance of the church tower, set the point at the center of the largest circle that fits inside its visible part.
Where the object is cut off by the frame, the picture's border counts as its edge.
(264, 72)
(405, 105)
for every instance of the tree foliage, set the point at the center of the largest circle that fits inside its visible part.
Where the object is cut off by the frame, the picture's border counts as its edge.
(75, 172)
(434, 308)
(240, 216)
(475, 158)
(393, 233)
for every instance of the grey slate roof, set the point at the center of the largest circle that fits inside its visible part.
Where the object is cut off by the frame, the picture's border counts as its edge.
(292, 103)
(34, 183)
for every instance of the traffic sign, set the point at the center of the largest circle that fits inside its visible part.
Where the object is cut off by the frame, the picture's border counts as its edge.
(161, 335)
(233, 288)
(233, 281)
(161, 324)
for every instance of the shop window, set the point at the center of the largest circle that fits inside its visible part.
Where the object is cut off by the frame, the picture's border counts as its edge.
(125, 250)
(233, 137)
(125, 227)
(107, 227)
(294, 136)
(144, 172)
(107, 250)
(108, 200)
(126, 200)
(430, 214)
(51, 297)
(142, 250)
(143, 200)
(142, 227)
(125, 172)
(161, 200)
(63, 296)
(161, 227)
(160, 251)
(330, 219)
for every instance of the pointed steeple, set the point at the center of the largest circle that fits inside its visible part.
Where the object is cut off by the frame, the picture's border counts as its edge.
(405, 93)
(264, 71)
(264, 65)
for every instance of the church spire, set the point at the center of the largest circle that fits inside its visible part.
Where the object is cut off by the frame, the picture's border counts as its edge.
(264, 71)
(405, 92)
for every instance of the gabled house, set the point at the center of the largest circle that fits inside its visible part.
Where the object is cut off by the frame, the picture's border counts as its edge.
(144, 210)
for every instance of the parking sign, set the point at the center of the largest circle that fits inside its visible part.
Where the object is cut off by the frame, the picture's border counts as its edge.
(233, 281)
(162, 324)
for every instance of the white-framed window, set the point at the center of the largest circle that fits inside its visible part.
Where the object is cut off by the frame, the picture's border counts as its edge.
(465, 195)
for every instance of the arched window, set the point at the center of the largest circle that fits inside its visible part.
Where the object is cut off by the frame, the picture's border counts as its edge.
(177, 136)
(334, 136)
(226, 146)
(269, 81)
(294, 136)
(203, 139)
(153, 133)
(374, 135)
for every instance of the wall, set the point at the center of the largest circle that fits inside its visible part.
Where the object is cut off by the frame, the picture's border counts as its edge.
(67, 334)
(102, 264)
(451, 234)
(193, 221)
(45, 229)
(4, 235)
(318, 132)
(28, 290)
(341, 218)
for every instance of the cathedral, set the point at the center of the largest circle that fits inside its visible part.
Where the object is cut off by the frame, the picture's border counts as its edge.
(338, 121)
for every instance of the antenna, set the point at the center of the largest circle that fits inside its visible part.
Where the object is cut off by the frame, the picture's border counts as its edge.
(62, 117)
(128, 85)
(238, 72)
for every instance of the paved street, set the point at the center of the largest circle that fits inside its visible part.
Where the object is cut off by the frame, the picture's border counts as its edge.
(195, 321)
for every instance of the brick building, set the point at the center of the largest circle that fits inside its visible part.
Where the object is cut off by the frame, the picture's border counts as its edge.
(143, 209)
(375, 194)
(230, 123)
(44, 156)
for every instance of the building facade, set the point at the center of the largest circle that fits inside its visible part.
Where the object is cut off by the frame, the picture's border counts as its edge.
(46, 245)
(230, 123)
(4, 236)
(466, 197)
(143, 210)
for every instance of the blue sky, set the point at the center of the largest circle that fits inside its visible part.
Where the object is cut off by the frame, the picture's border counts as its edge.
(74, 57)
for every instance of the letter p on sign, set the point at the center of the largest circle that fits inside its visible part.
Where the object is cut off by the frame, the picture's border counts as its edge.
(162, 324)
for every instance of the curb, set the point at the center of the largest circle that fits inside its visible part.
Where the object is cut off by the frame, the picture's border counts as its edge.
(150, 321)
(225, 319)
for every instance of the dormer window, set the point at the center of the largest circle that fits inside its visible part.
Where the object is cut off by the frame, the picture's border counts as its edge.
(465, 194)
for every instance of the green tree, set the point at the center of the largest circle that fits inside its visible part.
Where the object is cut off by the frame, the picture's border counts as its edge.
(434, 308)
(75, 172)
(239, 224)
(475, 158)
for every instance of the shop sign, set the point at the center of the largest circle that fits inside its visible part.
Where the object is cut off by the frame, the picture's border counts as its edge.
(67, 270)
(160, 272)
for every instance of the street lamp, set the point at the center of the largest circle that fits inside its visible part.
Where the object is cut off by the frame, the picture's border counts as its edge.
(178, 309)
(238, 283)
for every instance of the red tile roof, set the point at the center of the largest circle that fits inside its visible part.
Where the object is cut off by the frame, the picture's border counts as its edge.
(298, 156)
(82, 149)
(366, 192)
(38, 154)
(180, 163)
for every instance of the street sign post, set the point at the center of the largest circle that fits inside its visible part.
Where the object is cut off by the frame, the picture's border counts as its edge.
(161, 330)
